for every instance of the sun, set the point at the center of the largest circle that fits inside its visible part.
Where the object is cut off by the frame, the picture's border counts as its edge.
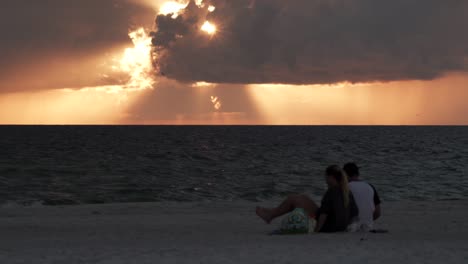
(209, 28)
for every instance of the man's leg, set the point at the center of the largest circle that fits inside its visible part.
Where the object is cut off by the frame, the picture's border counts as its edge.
(288, 205)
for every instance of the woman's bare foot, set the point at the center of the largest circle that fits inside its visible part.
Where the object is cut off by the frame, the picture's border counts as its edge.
(264, 214)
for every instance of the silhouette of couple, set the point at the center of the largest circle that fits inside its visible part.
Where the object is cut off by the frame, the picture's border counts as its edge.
(349, 204)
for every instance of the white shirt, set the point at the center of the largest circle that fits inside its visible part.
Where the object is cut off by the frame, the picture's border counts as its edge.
(364, 197)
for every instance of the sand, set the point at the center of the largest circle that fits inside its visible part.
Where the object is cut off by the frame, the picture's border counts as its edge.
(223, 232)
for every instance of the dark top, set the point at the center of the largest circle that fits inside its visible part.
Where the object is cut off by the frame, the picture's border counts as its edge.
(338, 216)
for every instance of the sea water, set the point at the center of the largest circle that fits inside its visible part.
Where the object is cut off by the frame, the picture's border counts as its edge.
(56, 165)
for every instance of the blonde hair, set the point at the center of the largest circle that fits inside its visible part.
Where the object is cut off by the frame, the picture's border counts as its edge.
(345, 188)
(342, 179)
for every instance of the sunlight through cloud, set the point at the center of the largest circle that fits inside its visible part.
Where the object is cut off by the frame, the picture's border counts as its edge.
(172, 7)
(209, 28)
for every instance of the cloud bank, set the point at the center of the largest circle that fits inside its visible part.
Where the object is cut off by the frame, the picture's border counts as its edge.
(50, 44)
(314, 41)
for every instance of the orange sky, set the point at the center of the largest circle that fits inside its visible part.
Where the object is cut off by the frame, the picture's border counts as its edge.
(438, 102)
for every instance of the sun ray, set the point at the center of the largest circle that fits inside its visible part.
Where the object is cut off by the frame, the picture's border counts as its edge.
(137, 61)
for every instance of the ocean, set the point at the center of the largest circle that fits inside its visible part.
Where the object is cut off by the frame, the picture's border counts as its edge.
(66, 165)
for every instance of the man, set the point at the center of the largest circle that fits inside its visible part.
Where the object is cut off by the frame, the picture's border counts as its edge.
(366, 197)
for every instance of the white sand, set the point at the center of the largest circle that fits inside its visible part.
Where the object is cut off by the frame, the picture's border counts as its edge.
(223, 233)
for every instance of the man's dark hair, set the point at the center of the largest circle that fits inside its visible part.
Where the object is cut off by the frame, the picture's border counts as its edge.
(351, 169)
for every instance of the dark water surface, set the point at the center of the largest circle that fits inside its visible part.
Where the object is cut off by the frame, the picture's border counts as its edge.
(104, 164)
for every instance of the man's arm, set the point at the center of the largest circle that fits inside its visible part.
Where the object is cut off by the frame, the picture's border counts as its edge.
(320, 222)
(377, 212)
(377, 202)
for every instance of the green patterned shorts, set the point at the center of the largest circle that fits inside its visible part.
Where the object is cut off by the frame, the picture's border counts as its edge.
(296, 222)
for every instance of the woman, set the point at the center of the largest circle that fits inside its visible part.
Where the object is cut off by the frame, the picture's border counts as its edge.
(337, 209)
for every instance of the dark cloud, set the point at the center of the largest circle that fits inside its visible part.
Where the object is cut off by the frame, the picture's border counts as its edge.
(51, 43)
(314, 41)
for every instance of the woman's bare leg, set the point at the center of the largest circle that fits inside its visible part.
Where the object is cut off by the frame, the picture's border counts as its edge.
(288, 205)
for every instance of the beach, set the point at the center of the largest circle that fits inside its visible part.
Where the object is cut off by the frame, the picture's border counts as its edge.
(223, 232)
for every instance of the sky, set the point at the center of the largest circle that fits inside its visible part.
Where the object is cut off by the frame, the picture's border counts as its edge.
(295, 62)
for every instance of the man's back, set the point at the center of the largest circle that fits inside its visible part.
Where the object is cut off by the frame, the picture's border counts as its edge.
(364, 197)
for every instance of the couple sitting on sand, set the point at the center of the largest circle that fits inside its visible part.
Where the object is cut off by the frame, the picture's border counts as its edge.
(345, 206)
